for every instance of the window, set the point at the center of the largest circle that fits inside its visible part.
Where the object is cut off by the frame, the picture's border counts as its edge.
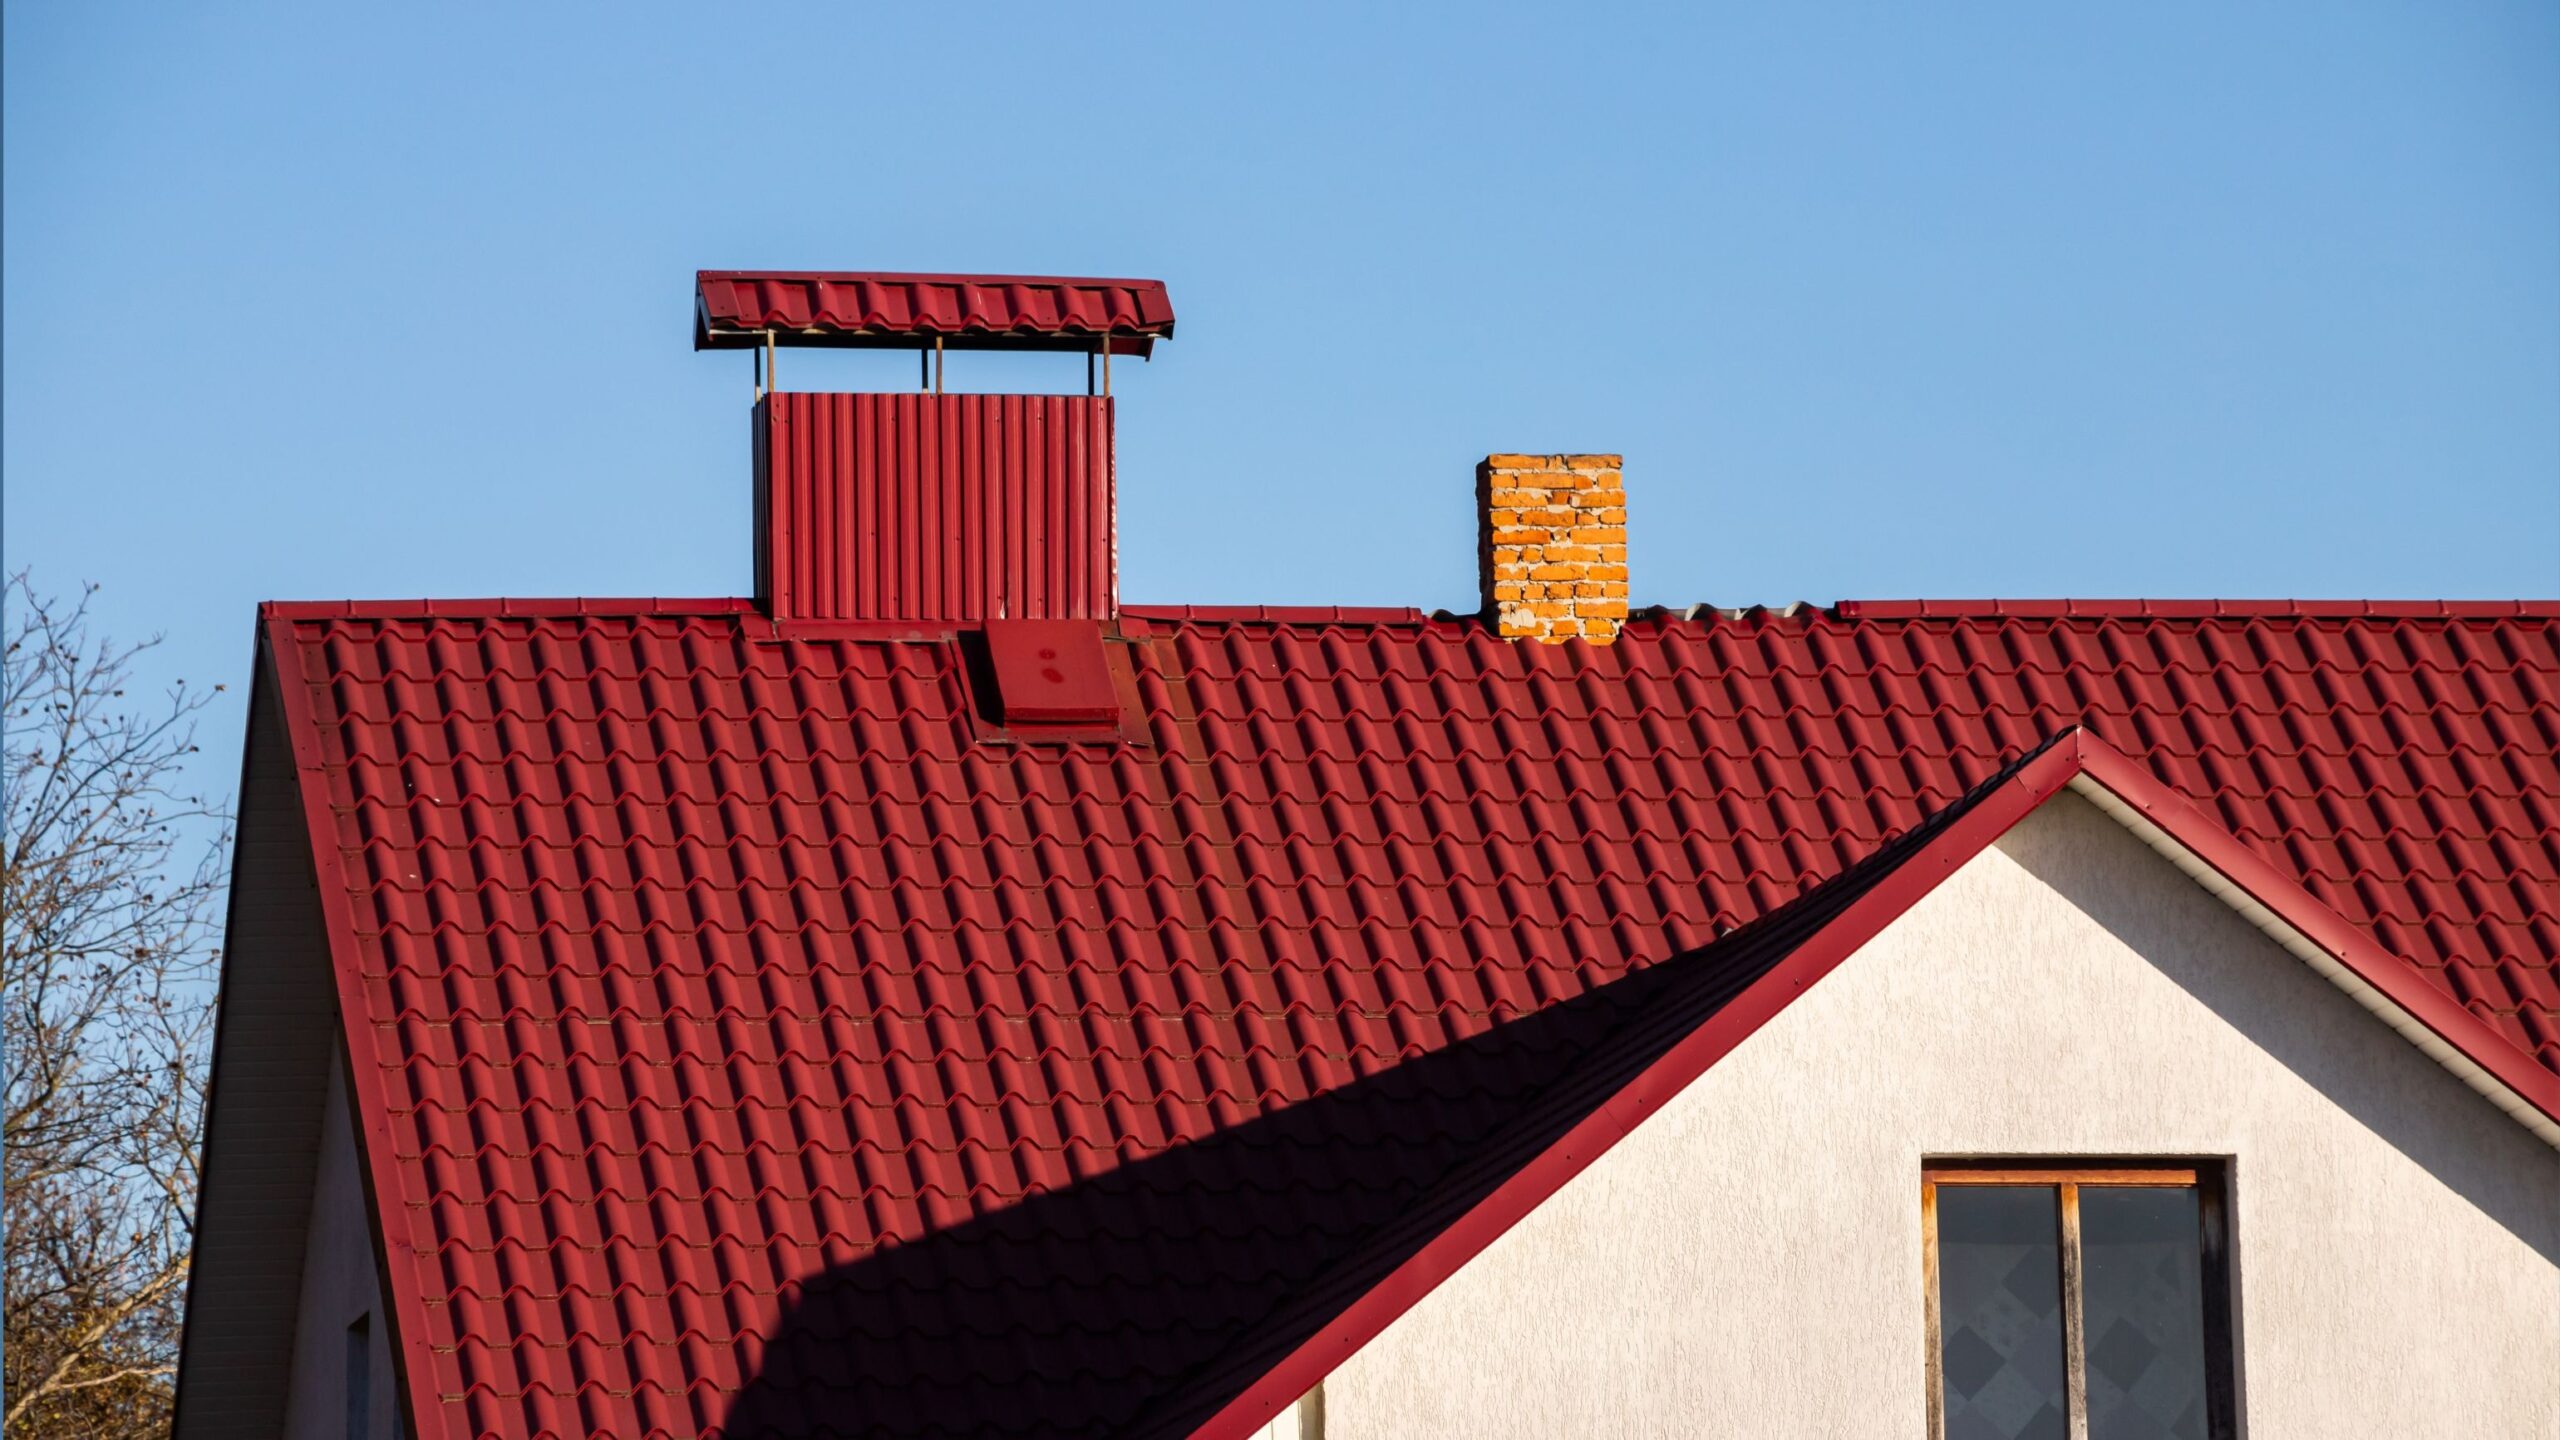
(360, 1378)
(2078, 1302)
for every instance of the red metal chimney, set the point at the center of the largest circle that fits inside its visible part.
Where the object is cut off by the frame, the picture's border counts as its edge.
(920, 505)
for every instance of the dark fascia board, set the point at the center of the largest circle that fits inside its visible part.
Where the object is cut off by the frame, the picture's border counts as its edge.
(274, 1030)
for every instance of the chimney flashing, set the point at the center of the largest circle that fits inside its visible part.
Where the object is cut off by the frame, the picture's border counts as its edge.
(1051, 672)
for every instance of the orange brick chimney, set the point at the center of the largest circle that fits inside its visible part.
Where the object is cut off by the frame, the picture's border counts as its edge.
(1552, 550)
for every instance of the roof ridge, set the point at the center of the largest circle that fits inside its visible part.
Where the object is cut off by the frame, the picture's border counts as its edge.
(606, 607)
(2136, 608)
(504, 608)
(1290, 614)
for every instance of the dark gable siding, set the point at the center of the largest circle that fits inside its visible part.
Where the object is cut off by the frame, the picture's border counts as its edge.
(262, 1132)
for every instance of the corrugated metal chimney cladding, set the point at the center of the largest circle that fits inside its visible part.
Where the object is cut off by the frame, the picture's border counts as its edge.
(921, 506)
(934, 507)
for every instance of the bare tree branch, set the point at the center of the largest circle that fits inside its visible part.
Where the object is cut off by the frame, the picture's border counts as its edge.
(111, 873)
(83, 1345)
(130, 1372)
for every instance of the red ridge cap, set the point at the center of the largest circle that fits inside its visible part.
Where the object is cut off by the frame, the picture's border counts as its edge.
(578, 607)
(1281, 614)
(2069, 609)
(520, 607)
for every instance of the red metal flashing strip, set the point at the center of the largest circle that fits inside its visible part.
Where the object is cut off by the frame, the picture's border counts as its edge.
(762, 629)
(2075, 753)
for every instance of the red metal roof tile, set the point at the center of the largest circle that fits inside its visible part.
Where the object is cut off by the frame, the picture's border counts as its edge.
(755, 1045)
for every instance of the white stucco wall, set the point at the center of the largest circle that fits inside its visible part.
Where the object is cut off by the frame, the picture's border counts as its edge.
(339, 1283)
(1748, 1261)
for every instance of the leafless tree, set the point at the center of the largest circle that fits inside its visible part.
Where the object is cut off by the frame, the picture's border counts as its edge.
(111, 884)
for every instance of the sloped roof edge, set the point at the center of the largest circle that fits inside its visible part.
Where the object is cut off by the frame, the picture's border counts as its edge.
(367, 1103)
(2075, 760)
(2315, 934)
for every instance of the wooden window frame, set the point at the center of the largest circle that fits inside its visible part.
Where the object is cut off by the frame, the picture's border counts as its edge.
(2210, 1179)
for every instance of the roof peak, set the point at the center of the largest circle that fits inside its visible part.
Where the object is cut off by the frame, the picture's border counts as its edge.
(2193, 609)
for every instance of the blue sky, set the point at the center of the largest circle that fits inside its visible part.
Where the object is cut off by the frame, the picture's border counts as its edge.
(1879, 301)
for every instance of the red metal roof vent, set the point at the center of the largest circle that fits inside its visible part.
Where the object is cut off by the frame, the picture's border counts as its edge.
(923, 506)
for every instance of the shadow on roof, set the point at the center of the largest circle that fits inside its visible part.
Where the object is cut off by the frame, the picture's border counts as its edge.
(1140, 1301)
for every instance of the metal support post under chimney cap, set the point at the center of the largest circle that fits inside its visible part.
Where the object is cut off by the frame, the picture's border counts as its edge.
(937, 364)
(770, 379)
(1106, 364)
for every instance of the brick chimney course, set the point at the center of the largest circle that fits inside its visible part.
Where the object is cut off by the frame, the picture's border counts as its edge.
(1552, 551)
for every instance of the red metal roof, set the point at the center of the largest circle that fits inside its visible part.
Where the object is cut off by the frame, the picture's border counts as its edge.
(733, 309)
(749, 1042)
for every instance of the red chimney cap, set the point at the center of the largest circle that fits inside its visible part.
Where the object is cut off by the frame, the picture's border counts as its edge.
(858, 309)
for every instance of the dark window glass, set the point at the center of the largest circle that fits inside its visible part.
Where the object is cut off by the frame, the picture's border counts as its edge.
(2000, 1312)
(360, 1378)
(2143, 1306)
